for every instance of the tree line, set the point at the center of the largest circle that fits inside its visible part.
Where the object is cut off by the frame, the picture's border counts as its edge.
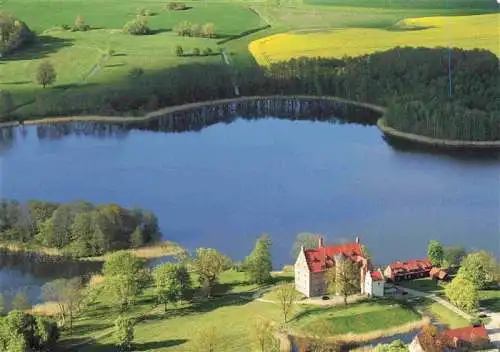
(78, 229)
(412, 82)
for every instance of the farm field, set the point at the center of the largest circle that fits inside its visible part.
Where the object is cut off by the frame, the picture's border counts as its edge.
(469, 32)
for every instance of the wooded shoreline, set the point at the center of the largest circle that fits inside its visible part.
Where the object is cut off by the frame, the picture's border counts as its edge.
(381, 123)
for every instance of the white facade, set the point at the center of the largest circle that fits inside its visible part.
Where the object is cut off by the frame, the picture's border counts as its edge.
(302, 275)
(374, 288)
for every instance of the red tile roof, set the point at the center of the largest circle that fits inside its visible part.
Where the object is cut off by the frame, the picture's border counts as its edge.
(467, 334)
(411, 266)
(376, 276)
(321, 258)
(438, 272)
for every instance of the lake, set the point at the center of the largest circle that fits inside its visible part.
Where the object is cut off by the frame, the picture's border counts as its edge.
(223, 185)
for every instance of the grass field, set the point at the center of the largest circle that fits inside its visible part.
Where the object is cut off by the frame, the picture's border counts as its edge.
(78, 57)
(480, 31)
(356, 318)
(446, 316)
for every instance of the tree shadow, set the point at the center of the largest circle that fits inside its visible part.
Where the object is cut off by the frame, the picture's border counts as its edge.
(114, 65)
(159, 31)
(43, 46)
(148, 346)
(15, 83)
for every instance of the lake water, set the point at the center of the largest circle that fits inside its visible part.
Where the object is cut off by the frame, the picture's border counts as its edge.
(225, 184)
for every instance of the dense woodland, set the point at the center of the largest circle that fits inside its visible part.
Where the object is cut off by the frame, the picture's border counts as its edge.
(79, 229)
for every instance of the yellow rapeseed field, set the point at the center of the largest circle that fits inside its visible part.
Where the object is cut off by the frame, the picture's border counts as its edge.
(468, 32)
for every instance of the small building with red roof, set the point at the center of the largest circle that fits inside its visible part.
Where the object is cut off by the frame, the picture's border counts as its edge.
(312, 264)
(469, 338)
(438, 274)
(409, 270)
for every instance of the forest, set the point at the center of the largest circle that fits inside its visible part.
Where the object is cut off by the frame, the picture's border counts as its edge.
(78, 229)
(412, 82)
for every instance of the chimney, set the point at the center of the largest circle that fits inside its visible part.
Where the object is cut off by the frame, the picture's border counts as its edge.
(357, 239)
(320, 242)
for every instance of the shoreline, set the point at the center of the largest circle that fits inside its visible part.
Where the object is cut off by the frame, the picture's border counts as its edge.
(434, 142)
(153, 251)
(381, 125)
(178, 108)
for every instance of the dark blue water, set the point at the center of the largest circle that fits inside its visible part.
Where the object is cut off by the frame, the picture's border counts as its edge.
(227, 184)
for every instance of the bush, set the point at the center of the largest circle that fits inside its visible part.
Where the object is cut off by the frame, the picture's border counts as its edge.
(176, 6)
(80, 25)
(46, 74)
(195, 30)
(65, 27)
(208, 51)
(138, 26)
(15, 34)
(179, 51)
(208, 30)
(196, 52)
(135, 72)
(183, 29)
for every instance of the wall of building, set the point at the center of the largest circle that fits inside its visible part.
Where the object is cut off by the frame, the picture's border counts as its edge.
(317, 284)
(302, 277)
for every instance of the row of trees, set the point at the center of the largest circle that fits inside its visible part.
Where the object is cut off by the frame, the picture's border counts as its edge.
(79, 229)
(188, 29)
(477, 271)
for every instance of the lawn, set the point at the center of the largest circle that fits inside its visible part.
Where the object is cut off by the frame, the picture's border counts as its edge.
(490, 299)
(356, 318)
(469, 32)
(446, 316)
(424, 285)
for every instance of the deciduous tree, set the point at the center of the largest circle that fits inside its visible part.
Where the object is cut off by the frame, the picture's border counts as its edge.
(463, 293)
(286, 299)
(344, 278)
(45, 74)
(304, 239)
(209, 264)
(124, 333)
(454, 255)
(264, 335)
(124, 277)
(435, 252)
(170, 283)
(481, 268)
(258, 264)
(67, 294)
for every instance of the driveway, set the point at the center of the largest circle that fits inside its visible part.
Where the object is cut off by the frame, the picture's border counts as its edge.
(493, 327)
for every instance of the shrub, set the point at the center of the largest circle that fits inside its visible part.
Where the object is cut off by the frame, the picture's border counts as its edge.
(195, 30)
(208, 30)
(138, 26)
(15, 34)
(196, 52)
(179, 51)
(183, 29)
(176, 6)
(135, 72)
(80, 25)
(46, 74)
(65, 27)
(208, 51)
